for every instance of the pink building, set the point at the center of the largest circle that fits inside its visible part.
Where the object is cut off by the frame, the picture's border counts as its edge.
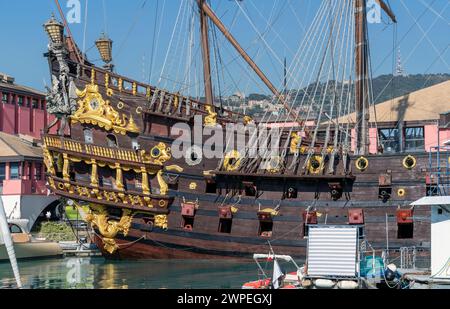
(22, 173)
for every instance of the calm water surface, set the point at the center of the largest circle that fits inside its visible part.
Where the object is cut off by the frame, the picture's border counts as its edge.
(89, 273)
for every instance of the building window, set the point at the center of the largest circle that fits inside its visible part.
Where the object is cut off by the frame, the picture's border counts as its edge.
(88, 139)
(414, 139)
(14, 170)
(38, 171)
(2, 172)
(20, 101)
(5, 98)
(28, 100)
(35, 103)
(390, 140)
(112, 141)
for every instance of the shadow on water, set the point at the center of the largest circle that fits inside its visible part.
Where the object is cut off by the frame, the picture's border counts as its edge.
(98, 273)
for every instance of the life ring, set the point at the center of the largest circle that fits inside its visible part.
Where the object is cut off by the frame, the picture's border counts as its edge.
(362, 163)
(232, 161)
(193, 155)
(409, 162)
(401, 192)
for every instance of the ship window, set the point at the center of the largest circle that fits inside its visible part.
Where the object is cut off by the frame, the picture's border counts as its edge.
(291, 192)
(250, 189)
(225, 226)
(14, 170)
(112, 140)
(265, 228)
(211, 187)
(2, 172)
(390, 140)
(405, 230)
(88, 139)
(414, 139)
(187, 223)
(5, 98)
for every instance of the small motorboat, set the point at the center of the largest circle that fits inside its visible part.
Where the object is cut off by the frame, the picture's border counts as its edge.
(279, 279)
(25, 246)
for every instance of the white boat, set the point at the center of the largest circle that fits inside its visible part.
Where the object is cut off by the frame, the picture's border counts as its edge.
(25, 245)
(278, 280)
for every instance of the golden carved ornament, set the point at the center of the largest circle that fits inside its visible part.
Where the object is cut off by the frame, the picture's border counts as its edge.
(193, 185)
(92, 109)
(163, 187)
(247, 120)
(270, 211)
(296, 140)
(315, 164)
(161, 221)
(109, 229)
(232, 161)
(211, 118)
(160, 153)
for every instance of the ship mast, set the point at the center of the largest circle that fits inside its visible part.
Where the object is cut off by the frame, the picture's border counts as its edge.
(362, 74)
(205, 54)
(361, 79)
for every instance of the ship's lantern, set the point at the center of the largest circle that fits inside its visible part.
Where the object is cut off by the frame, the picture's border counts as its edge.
(104, 46)
(55, 30)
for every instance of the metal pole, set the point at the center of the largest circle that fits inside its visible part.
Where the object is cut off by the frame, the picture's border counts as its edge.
(9, 244)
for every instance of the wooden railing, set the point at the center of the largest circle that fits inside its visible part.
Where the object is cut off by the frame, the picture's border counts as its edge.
(112, 154)
(119, 83)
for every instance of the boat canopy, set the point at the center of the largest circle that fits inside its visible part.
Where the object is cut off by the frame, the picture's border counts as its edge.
(432, 201)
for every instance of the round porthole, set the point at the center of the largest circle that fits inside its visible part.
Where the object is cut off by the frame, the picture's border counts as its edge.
(409, 162)
(362, 163)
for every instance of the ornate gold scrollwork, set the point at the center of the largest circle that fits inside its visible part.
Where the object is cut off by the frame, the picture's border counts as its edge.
(247, 120)
(315, 164)
(48, 161)
(270, 211)
(362, 163)
(163, 187)
(92, 109)
(160, 153)
(109, 229)
(211, 118)
(232, 161)
(161, 221)
(409, 162)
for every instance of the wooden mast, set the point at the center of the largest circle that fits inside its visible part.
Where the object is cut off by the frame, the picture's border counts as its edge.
(362, 74)
(361, 79)
(205, 54)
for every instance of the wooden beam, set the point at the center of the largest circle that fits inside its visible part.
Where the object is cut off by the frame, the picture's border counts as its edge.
(387, 10)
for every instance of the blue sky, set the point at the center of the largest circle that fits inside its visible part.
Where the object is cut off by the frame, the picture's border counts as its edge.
(131, 25)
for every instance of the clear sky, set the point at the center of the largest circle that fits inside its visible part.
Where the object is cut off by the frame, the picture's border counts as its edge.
(131, 25)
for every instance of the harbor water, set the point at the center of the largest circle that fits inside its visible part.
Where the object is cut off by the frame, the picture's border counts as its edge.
(98, 273)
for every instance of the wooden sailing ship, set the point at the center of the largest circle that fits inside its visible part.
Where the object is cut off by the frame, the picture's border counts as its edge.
(113, 154)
